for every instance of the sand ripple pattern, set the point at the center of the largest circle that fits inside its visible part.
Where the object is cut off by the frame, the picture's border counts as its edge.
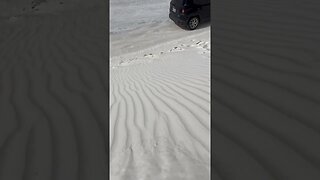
(159, 116)
(266, 101)
(53, 97)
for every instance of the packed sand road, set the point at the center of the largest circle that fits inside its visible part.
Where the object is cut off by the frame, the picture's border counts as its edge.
(138, 24)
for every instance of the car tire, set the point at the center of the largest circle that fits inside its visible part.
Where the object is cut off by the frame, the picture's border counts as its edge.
(193, 23)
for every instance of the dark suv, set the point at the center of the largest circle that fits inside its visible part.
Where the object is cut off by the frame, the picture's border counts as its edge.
(189, 13)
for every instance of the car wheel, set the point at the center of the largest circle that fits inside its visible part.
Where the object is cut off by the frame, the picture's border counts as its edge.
(193, 23)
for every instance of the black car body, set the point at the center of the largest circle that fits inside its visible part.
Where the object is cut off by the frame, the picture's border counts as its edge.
(189, 13)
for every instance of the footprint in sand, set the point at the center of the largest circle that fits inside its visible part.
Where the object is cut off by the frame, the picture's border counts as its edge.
(150, 55)
(175, 49)
(184, 45)
(203, 45)
(198, 43)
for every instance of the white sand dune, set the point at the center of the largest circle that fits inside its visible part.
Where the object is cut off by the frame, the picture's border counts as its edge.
(53, 62)
(160, 104)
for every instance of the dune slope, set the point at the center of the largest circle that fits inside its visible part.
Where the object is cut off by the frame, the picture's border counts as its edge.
(160, 111)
